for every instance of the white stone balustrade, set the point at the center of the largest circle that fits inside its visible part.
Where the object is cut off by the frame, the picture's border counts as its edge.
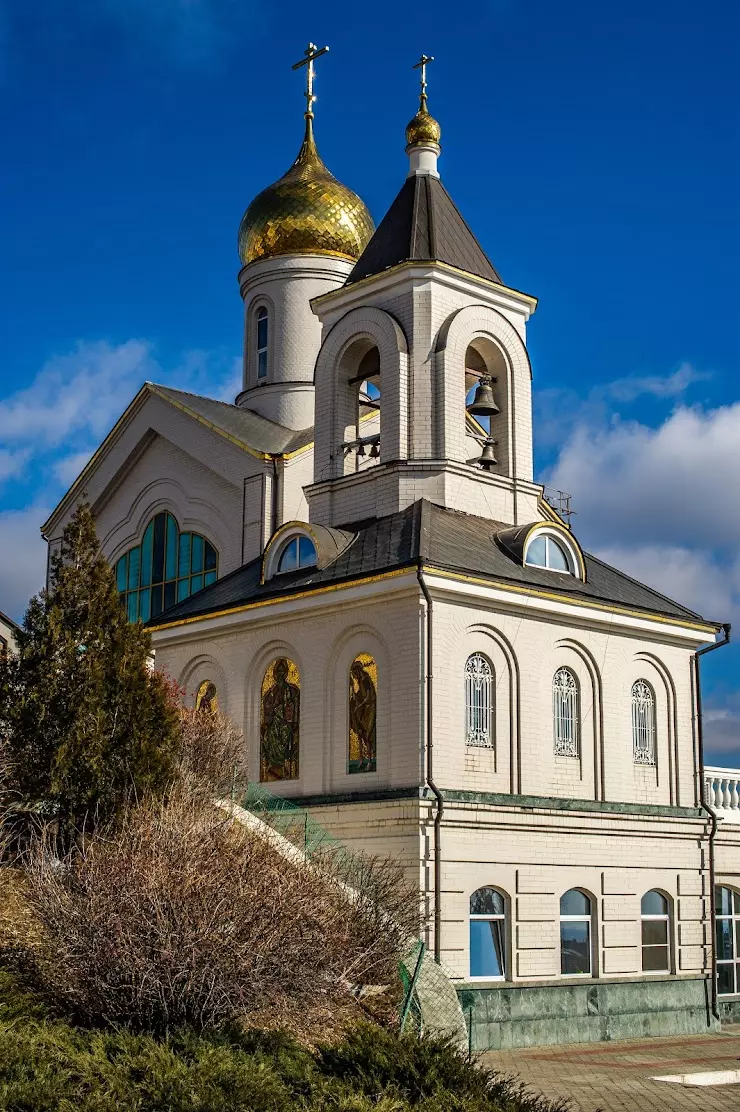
(722, 792)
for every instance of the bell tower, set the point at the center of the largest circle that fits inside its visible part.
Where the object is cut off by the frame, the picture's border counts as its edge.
(448, 407)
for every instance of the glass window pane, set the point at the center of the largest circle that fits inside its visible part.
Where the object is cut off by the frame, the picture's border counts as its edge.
(196, 584)
(158, 558)
(262, 364)
(183, 564)
(211, 557)
(146, 555)
(486, 901)
(134, 562)
(289, 558)
(723, 901)
(575, 947)
(145, 605)
(653, 903)
(737, 938)
(725, 978)
(183, 589)
(121, 571)
(171, 560)
(156, 601)
(555, 556)
(132, 606)
(575, 903)
(197, 558)
(210, 578)
(262, 328)
(737, 902)
(486, 948)
(723, 938)
(654, 932)
(306, 552)
(655, 959)
(537, 552)
(169, 595)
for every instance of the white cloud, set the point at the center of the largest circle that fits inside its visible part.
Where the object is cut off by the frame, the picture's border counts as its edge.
(23, 564)
(659, 386)
(68, 468)
(675, 484)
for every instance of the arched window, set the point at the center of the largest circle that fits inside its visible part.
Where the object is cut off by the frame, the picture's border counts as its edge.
(575, 933)
(727, 940)
(544, 551)
(655, 921)
(206, 697)
(263, 339)
(298, 552)
(280, 719)
(478, 701)
(165, 568)
(565, 714)
(363, 709)
(488, 934)
(643, 723)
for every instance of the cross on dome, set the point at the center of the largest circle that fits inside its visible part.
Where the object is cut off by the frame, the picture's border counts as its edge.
(312, 52)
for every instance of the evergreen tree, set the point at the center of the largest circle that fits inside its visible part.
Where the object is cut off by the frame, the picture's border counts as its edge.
(86, 722)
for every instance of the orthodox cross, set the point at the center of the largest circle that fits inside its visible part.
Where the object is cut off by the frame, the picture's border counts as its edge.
(311, 53)
(422, 65)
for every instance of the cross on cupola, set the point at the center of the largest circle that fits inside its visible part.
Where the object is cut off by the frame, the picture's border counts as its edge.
(422, 65)
(312, 52)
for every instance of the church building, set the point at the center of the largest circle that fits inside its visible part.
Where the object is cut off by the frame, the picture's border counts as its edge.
(354, 562)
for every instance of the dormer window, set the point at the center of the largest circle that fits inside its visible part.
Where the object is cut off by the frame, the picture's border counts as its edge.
(545, 550)
(262, 342)
(298, 552)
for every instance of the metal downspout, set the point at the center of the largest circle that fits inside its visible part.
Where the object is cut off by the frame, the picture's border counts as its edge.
(726, 628)
(274, 499)
(429, 773)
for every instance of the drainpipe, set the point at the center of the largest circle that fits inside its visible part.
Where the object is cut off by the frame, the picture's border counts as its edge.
(275, 485)
(429, 746)
(726, 628)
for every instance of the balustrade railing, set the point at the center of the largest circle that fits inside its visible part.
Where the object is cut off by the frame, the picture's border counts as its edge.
(722, 792)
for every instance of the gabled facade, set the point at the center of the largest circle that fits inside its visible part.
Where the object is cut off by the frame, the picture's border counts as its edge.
(416, 646)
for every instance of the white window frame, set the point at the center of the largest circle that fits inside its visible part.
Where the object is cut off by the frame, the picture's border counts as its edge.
(643, 724)
(563, 745)
(663, 918)
(262, 313)
(479, 680)
(589, 920)
(553, 536)
(502, 918)
(734, 918)
(295, 538)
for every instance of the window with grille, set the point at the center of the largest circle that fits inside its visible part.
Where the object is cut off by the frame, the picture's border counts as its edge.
(478, 702)
(565, 714)
(643, 723)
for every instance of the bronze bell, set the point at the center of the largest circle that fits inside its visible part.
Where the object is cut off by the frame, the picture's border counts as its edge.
(483, 404)
(375, 449)
(487, 457)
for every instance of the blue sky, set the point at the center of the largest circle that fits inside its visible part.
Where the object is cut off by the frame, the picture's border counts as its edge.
(593, 149)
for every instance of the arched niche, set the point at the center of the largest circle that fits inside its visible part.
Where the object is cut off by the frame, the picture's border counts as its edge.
(365, 347)
(484, 357)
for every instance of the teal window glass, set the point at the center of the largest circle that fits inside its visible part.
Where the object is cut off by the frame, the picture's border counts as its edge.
(164, 569)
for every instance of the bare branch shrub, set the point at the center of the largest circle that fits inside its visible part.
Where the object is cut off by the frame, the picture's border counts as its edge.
(180, 915)
(212, 751)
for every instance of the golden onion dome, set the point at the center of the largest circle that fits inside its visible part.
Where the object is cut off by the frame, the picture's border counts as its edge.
(423, 128)
(306, 212)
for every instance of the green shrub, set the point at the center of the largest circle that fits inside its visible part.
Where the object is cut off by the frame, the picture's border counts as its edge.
(46, 1064)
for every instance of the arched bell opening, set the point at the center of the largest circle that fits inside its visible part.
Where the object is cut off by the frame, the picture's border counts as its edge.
(362, 407)
(486, 405)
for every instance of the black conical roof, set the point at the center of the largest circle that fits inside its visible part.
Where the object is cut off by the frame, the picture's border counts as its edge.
(423, 224)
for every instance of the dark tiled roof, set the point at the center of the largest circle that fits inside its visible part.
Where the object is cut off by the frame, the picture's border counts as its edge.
(435, 536)
(243, 424)
(423, 224)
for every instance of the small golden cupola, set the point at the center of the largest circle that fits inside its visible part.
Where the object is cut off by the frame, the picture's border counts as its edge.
(423, 130)
(307, 211)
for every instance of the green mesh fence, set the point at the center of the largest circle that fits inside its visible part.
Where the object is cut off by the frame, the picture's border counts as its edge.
(429, 1001)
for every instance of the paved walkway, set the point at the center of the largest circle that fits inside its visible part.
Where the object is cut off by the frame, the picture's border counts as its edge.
(616, 1077)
